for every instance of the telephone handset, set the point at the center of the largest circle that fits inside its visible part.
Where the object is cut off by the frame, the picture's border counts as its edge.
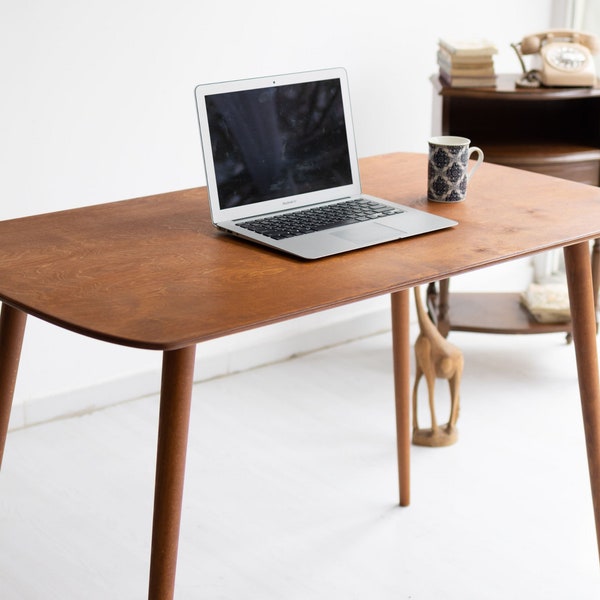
(563, 57)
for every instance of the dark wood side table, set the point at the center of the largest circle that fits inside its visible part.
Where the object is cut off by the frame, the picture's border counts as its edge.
(553, 131)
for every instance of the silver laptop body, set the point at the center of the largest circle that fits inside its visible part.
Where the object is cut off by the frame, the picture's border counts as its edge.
(282, 144)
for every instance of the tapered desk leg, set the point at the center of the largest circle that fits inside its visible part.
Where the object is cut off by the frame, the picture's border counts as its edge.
(581, 297)
(12, 328)
(175, 401)
(401, 345)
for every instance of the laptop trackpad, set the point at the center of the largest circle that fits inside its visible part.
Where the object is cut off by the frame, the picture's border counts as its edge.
(369, 233)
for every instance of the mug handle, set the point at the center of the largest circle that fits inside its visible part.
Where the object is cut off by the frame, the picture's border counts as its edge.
(479, 160)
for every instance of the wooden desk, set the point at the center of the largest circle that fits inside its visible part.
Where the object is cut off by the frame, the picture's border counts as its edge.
(153, 273)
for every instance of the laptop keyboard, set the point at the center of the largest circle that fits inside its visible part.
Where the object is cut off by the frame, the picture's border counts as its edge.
(318, 218)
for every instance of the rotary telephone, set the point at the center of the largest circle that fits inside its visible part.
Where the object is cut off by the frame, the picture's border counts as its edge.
(563, 57)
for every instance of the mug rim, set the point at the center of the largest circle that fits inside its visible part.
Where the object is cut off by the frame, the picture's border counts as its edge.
(449, 140)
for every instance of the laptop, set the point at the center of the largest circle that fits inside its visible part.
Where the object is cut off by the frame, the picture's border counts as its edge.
(282, 167)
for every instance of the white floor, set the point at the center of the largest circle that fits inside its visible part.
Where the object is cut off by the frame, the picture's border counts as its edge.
(291, 488)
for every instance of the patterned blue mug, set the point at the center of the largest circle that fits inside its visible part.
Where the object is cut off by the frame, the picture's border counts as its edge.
(447, 171)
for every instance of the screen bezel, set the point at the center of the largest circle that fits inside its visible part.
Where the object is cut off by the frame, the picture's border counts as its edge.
(240, 212)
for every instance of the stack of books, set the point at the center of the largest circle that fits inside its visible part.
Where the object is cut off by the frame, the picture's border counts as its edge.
(548, 302)
(467, 63)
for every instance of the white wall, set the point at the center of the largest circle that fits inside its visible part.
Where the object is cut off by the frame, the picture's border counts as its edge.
(97, 105)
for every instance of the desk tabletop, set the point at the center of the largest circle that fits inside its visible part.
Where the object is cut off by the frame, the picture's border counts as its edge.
(154, 273)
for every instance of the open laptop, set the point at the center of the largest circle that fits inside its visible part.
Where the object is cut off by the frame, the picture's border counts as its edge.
(282, 167)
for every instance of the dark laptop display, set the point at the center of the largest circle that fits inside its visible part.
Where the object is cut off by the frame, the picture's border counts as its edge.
(277, 142)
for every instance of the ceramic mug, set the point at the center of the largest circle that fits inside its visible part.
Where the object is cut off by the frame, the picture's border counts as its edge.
(447, 171)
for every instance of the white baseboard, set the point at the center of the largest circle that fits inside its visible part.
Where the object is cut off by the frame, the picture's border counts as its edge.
(213, 359)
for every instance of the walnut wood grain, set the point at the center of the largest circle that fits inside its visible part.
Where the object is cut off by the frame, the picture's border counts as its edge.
(12, 328)
(175, 400)
(153, 273)
(579, 280)
(506, 85)
(401, 343)
(478, 312)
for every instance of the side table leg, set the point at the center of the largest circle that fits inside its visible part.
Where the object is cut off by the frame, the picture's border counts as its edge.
(596, 275)
(12, 328)
(175, 401)
(581, 297)
(401, 347)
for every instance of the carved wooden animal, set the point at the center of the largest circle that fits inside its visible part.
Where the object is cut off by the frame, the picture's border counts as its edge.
(436, 357)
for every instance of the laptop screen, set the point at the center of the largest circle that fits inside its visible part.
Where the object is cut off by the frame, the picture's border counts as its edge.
(278, 142)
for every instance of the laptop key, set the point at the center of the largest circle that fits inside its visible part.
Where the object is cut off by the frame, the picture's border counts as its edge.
(319, 218)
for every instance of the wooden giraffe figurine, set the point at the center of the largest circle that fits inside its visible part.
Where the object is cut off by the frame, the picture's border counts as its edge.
(436, 357)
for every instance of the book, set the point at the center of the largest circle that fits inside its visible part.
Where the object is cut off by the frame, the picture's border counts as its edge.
(459, 81)
(468, 47)
(547, 303)
(469, 69)
(466, 62)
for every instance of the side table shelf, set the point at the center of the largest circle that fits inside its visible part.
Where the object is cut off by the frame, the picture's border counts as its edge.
(487, 312)
(576, 162)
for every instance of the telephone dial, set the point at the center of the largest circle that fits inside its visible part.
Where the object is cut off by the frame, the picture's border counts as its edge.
(562, 57)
